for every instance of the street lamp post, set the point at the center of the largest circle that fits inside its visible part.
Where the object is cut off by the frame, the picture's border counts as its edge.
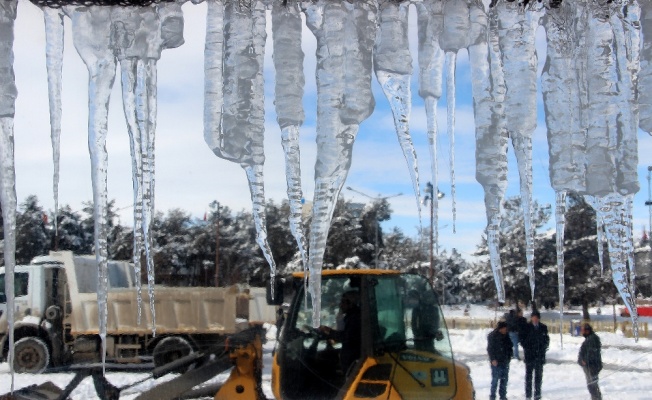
(375, 199)
(215, 205)
(648, 203)
(430, 197)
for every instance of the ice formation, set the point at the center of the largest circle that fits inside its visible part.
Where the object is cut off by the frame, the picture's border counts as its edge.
(595, 83)
(393, 67)
(8, 200)
(345, 35)
(290, 81)
(430, 19)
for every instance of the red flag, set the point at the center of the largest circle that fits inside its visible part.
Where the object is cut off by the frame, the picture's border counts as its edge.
(205, 216)
(45, 218)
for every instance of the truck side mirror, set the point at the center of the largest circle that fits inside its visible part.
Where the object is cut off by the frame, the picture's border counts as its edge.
(277, 298)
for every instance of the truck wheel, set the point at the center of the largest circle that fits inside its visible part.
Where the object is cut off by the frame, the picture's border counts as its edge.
(31, 355)
(170, 349)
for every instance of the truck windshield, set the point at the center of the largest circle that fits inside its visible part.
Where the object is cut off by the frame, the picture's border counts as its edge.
(408, 316)
(21, 280)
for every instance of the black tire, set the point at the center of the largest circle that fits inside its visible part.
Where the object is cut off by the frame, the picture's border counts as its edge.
(170, 349)
(31, 355)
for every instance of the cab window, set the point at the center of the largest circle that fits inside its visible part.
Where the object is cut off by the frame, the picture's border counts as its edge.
(21, 282)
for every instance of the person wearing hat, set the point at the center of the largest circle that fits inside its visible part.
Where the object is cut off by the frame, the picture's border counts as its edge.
(499, 348)
(535, 341)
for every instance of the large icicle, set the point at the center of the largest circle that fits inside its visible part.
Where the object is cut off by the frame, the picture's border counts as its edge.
(566, 144)
(454, 37)
(560, 225)
(517, 25)
(8, 199)
(393, 67)
(451, 59)
(54, 62)
(91, 28)
(430, 19)
(239, 137)
(290, 80)
(139, 34)
(611, 209)
(491, 135)
(611, 133)
(645, 75)
(345, 35)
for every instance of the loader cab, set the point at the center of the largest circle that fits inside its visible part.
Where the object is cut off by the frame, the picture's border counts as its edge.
(402, 351)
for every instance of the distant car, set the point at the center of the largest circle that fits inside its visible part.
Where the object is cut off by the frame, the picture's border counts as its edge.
(643, 311)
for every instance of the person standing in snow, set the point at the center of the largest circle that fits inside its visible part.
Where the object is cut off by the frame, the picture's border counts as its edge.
(590, 359)
(499, 348)
(515, 324)
(535, 341)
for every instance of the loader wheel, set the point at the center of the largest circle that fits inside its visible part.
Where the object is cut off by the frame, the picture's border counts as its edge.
(31, 355)
(170, 349)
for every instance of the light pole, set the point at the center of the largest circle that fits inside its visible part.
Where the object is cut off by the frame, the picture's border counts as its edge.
(648, 203)
(429, 197)
(375, 199)
(215, 205)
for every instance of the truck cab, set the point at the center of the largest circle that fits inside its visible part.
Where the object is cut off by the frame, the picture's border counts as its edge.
(401, 351)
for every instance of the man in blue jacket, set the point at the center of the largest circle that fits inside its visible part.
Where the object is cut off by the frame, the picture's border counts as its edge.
(535, 341)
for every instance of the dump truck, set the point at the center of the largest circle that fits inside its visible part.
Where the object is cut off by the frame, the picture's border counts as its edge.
(56, 315)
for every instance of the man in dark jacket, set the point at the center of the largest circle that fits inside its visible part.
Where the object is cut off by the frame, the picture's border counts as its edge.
(350, 335)
(535, 341)
(499, 348)
(590, 360)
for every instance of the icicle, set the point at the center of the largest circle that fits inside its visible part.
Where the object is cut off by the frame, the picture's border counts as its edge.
(645, 75)
(213, 73)
(599, 231)
(128, 75)
(560, 87)
(393, 67)
(626, 32)
(611, 135)
(240, 134)
(450, 118)
(517, 30)
(455, 36)
(628, 242)
(431, 66)
(611, 208)
(138, 36)
(54, 62)
(8, 199)
(345, 37)
(491, 136)
(288, 62)
(91, 37)
(560, 219)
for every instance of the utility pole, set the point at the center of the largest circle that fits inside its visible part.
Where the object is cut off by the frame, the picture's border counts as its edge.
(216, 206)
(376, 199)
(648, 203)
(429, 198)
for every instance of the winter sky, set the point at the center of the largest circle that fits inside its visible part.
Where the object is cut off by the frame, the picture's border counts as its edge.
(189, 176)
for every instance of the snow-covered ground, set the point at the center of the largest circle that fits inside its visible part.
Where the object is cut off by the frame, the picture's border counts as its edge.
(626, 374)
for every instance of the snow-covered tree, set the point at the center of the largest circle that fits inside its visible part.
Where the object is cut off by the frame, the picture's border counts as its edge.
(32, 234)
(479, 279)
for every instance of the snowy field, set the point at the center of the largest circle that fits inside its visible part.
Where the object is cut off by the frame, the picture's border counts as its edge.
(626, 374)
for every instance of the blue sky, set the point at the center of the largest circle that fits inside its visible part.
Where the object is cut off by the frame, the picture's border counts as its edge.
(190, 176)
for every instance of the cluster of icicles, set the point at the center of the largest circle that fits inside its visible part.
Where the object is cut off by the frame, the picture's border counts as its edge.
(596, 82)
